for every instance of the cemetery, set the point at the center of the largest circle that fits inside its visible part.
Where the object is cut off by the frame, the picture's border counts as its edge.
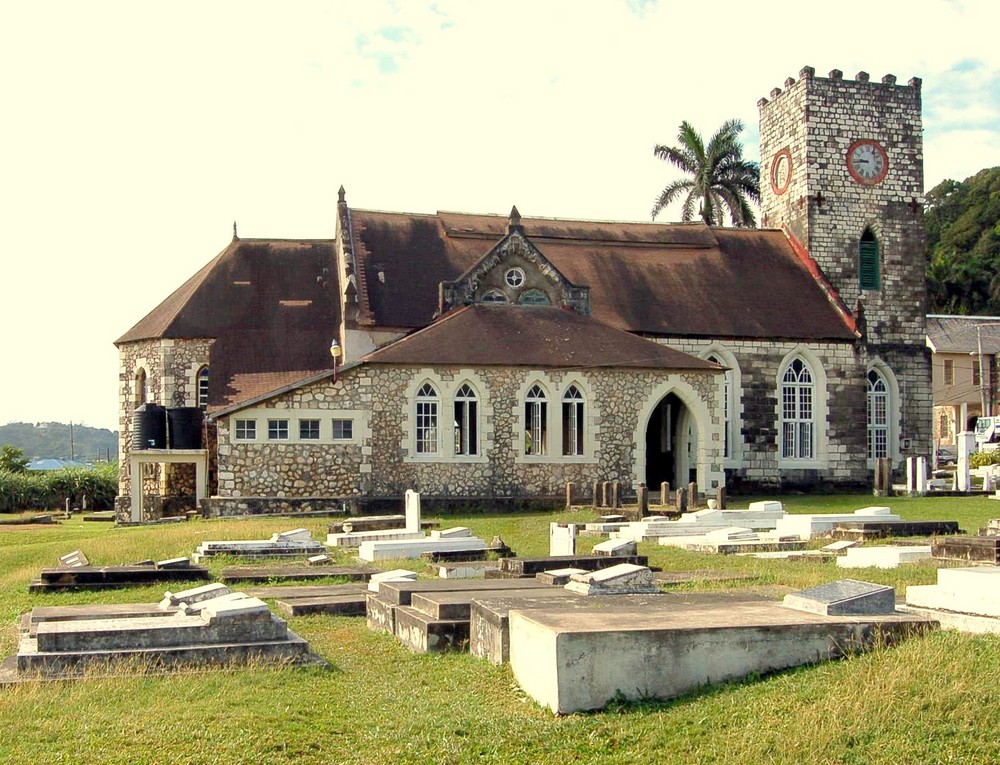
(594, 611)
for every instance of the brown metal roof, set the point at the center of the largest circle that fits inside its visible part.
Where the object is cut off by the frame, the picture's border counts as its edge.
(272, 307)
(529, 336)
(680, 280)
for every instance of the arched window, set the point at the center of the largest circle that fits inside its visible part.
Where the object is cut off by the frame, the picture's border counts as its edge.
(572, 422)
(727, 407)
(878, 416)
(141, 387)
(427, 420)
(466, 421)
(535, 422)
(203, 388)
(868, 267)
(534, 297)
(493, 296)
(797, 412)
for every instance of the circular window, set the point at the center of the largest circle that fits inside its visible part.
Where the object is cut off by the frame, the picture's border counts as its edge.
(514, 277)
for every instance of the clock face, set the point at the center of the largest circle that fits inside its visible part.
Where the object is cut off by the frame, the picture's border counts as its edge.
(781, 171)
(867, 162)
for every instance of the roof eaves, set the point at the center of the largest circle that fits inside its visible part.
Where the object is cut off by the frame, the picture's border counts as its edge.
(227, 410)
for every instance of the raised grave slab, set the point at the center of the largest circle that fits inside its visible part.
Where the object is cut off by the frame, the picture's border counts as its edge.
(294, 592)
(529, 567)
(615, 547)
(347, 604)
(109, 577)
(974, 591)
(414, 548)
(424, 634)
(464, 569)
(559, 577)
(981, 549)
(257, 574)
(560, 658)
(357, 538)
(843, 598)
(489, 632)
(863, 531)
(395, 575)
(808, 525)
(888, 556)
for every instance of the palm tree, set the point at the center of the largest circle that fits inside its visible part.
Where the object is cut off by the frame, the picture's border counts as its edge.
(719, 176)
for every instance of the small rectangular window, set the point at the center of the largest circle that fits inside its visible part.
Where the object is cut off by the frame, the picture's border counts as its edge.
(949, 372)
(343, 430)
(308, 430)
(246, 430)
(277, 429)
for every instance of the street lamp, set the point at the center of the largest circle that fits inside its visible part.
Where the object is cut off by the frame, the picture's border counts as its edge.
(335, 351)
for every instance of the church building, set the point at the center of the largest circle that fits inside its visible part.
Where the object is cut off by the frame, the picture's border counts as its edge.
(498, 357)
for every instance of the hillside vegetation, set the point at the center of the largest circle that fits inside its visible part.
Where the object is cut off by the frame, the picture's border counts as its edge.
(53, 439)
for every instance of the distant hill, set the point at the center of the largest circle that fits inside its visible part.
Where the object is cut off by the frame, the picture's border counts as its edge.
(53, 439)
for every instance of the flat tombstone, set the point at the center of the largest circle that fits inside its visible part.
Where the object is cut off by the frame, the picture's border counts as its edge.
(558, 576)
(766, 506)
(456, 532)
(396, 575)
(190, 609)
(319, 560)
(615, 547)
(846, 597)
(195, 594)
(227, 608)
(412, 510)
(295, 535)
(624, 578)
(840, 546)
(74, 559)
(174, 563)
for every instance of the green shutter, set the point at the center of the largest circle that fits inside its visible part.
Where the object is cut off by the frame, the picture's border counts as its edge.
(868, 264)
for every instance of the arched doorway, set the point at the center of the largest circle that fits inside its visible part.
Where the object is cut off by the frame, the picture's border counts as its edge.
(671, 444)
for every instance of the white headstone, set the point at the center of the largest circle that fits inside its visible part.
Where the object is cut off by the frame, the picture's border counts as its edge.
(625, 578)
(966, 446)
(453, 533)
(396, 575)
(411, 502)
(562, 539)
(614, 547)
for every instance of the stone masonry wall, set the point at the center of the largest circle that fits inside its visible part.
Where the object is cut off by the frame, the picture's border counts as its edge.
(383, 463)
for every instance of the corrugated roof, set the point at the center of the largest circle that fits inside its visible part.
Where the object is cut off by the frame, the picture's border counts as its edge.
(530, 336)
(961, 334)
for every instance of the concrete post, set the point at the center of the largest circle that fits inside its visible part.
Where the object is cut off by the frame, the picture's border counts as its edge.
(597, 493)
(615, 498)
(692, 495)
(680, 501)
(606, 495)
(664, 493)
(966, 446)
(643, 496)
(569, 494)
(720, 497)
(412, 509)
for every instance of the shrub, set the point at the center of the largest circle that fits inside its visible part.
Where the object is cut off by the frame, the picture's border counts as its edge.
(982, 459)
(44, 491)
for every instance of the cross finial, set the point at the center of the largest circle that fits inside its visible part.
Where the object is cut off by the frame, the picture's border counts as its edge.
(235, 236)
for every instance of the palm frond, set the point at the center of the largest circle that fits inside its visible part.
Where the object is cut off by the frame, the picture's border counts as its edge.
(669, 194)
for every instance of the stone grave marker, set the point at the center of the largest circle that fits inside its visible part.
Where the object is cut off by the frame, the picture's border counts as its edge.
(74, 559)
(846, 597)
(396, 575)
(615, 547)
(615, 580)
(558, 576)
(562, 539)
(411, 504)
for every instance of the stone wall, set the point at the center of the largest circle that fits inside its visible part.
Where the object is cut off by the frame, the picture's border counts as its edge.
(171, 367)
(384, 462)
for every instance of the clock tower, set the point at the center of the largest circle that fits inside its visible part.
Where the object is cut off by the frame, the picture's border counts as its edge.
(842, 174)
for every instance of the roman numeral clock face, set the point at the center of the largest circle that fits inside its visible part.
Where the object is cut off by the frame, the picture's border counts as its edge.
(867, 162)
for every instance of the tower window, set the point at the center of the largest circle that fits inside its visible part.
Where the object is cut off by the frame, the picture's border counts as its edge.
(203, 388)
(868, 271)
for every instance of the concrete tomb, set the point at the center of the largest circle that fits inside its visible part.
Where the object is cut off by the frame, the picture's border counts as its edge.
(260, 574)
(513, 568)
(615, 547)
(366, 531)
(806, 525)
(980, 549)
(563, 658)
(396, 575)
(190, 628)
(973, 591)
(86, 577)
(287, 544)
(888, 556)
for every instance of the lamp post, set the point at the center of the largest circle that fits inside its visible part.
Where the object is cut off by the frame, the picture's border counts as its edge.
(335, 351)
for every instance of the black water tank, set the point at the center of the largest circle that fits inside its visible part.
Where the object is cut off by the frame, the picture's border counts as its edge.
(149, 427)
(184, 424)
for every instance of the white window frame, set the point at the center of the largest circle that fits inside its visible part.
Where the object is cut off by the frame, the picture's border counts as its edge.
(536, 422)
(820, 430)
(878, 407)
(334, 428)
(201, 382)
(275, 427)
(308, 422)
(427, 406)
(466, 425)
(249, 428)
(797, 399)
(574, 422)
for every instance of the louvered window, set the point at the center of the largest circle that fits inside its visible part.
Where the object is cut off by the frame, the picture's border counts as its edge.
(868, 271)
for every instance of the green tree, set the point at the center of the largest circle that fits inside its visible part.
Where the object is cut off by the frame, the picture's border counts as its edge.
(12, 459)
(719, 179)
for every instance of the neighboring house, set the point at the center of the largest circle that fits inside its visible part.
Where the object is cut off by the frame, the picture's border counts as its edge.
(500, 357)
(961, 386)
(52, 463)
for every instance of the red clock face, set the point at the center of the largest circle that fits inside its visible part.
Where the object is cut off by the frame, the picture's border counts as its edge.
(867, 162)
(781, 171)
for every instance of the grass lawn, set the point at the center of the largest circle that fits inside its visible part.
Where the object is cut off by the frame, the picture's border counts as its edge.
(933, 699)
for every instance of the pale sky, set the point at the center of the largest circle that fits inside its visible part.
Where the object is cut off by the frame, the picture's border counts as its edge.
(133, 134)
